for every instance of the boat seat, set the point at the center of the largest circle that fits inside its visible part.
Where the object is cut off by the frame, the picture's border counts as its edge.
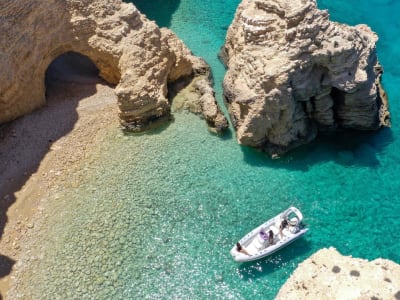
(252, 249)
(286, 232)
(260, 241)
(293, 221)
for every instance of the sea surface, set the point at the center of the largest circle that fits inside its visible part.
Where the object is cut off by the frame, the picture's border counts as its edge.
(156, 214)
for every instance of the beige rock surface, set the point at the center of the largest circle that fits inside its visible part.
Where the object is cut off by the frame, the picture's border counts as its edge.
(329, 275)
(292, 72)
(129, 51)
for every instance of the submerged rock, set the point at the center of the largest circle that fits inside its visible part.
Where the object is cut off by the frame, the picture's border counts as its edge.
(129, 50)
(329, 275)
(292, 72)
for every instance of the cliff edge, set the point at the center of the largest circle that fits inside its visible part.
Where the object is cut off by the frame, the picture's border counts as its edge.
(292, 73)
(130, 51)
(329, 275)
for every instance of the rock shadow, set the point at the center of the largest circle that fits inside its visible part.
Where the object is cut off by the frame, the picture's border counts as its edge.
(6, 265)
(160, 11)
(347, 148)
(24, 142)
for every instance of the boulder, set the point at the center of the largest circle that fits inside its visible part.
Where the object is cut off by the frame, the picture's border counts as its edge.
(329, 275)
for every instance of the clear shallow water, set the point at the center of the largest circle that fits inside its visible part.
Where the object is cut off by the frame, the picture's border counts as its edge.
(156, 214)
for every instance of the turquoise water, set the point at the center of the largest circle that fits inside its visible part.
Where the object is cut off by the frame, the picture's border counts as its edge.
(156, 214)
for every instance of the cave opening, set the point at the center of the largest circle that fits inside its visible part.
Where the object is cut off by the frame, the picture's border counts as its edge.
(72, 80)
(71, 67)
(338, 97)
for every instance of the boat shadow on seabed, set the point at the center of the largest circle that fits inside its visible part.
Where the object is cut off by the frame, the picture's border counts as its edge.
(287, 257)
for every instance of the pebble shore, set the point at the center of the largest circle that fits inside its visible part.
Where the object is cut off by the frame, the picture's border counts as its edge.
(74, 122)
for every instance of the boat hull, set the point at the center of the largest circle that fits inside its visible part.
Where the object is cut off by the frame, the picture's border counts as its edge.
(255, 245)
(240, 257)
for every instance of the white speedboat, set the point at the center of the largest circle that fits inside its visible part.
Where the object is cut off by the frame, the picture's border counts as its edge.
(271, 236)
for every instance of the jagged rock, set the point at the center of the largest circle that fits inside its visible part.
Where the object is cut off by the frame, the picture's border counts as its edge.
(129, 50)
(329, 275)
(292, 72)
(186, 96)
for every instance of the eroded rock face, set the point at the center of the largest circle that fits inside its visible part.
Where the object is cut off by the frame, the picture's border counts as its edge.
(329, 275)
(129, 50)
(292, 72)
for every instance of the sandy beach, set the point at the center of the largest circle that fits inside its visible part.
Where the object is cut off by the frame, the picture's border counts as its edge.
(38, 151)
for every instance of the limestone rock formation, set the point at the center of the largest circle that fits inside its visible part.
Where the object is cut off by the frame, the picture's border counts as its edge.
(292, 72)
(130, 51)
(329, 275)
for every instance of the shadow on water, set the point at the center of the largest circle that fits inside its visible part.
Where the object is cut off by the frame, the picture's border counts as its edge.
(349, 148)
(159, 128)
(154, 129)
(25, 141)
(228, 135)
(281, 259)
(160, 11)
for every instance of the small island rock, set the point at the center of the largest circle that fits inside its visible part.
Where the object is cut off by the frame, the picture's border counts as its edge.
(293, 73)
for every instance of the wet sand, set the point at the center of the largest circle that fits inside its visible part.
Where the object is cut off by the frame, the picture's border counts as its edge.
(39, 151)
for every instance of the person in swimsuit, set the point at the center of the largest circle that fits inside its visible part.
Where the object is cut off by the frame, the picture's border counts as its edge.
(283, 225)
(271, 237)
(241, 249)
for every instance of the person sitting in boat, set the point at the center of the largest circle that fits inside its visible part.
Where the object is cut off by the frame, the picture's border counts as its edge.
(271, 237)
(263, 235)
(283, 225)
(239, 248)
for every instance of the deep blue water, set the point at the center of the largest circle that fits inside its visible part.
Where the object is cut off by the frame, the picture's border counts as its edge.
(157, 213)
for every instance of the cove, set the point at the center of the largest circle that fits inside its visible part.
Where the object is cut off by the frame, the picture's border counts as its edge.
(155, 214)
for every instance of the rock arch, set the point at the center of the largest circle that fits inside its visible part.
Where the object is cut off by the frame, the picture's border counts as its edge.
(129, 50)
(71, 67)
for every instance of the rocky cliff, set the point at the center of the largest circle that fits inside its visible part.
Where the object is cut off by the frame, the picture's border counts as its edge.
(130, 52)
(292, 72)
(329, 275)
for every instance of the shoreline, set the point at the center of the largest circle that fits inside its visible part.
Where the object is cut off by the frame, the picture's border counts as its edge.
(40, 150)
